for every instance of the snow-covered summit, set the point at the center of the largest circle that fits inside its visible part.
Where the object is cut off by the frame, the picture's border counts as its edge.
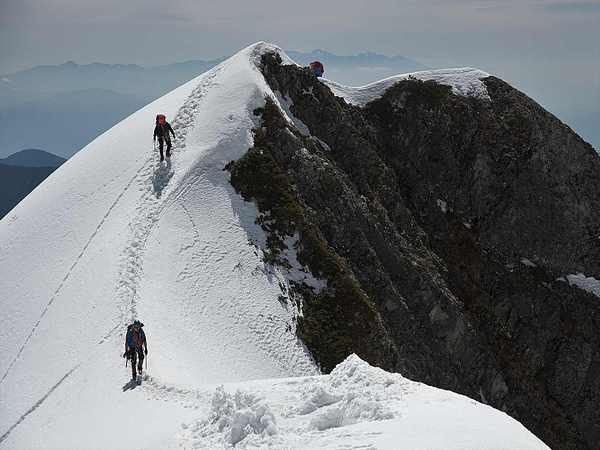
(114, 235)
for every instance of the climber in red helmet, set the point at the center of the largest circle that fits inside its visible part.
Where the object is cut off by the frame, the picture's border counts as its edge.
(162, 130)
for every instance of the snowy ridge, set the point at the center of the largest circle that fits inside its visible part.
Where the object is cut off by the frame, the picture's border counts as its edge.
(356, 406)
(464, 81)
(114, 235)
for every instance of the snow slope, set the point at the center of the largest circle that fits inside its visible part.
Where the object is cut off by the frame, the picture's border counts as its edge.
(113, 235)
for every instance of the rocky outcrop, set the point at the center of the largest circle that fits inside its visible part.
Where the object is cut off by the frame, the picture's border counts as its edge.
(443, 225)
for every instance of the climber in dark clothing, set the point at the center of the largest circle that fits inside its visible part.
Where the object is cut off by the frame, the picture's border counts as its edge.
(135, 347)
(317, 68)
(162, 130)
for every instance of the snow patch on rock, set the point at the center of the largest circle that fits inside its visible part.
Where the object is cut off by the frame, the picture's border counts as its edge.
(285, 104)
(589, 284)
(527, 262)
(297, 272)
(442, 205)
(464, 81)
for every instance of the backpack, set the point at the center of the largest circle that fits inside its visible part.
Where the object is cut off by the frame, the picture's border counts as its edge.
(130, 326)
(129, 329)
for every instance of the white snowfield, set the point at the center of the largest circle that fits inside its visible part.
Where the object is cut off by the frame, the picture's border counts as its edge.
(114, 235)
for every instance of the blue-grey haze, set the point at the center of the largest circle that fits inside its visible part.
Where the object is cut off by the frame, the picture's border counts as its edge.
(549, 49)
(61, 108)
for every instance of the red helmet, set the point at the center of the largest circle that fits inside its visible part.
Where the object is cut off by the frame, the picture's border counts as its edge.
(160, 118)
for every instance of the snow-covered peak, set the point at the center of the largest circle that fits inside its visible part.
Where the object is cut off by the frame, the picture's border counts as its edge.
(464, 81)
(114, 235)
(257, 50)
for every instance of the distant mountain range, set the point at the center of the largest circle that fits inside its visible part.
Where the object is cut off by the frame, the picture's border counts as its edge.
(148, 81)
(21, 172)
(63, 122)
(128, 79)
(33, 157)
(63, 107)
(368, 59)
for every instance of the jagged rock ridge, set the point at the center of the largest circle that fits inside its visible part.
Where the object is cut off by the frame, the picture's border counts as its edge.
(443, 224)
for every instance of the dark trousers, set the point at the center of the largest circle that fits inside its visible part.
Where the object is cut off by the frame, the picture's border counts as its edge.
(161, 141)
(136, 354)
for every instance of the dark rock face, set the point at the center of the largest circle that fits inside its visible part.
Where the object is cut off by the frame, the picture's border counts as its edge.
(442, 224)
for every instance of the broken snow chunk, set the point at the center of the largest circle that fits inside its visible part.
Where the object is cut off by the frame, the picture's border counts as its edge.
(317, 398)
(353, 409)
(238, 416)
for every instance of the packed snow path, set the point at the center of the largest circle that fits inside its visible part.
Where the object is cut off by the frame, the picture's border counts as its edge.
(114, 235)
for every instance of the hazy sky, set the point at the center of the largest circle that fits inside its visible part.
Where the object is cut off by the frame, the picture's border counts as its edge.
(539, 45)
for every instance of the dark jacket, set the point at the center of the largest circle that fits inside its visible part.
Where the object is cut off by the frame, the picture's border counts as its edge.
(162, 129)
(135, 340)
